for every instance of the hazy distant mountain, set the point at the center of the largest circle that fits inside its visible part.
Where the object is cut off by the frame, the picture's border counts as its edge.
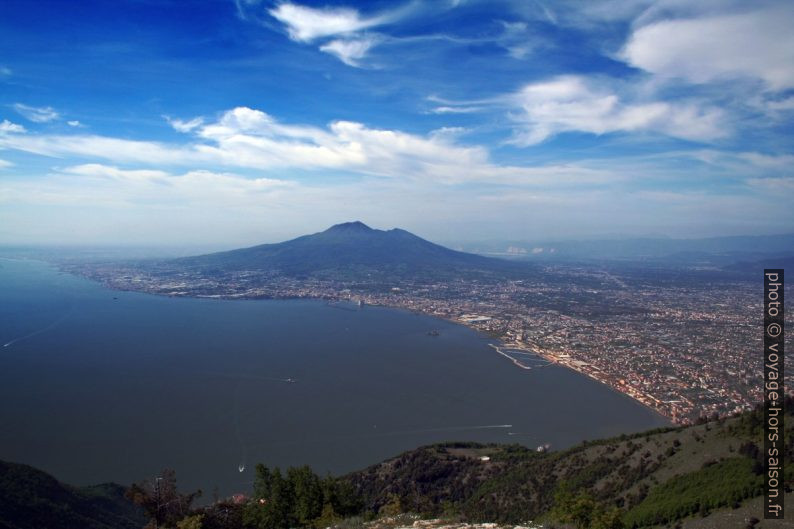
(717, 251)
(351, 246)
(756, 268)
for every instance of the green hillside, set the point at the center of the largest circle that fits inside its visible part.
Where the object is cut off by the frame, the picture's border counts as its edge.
(30, 498)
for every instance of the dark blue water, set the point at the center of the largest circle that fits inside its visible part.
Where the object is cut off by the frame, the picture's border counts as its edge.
(98, 385)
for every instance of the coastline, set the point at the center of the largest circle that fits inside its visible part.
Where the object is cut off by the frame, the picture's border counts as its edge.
(561, 361)
(553, 359)
(559, 358)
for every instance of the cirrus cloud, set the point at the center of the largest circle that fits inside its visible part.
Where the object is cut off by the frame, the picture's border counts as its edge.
(37, 114)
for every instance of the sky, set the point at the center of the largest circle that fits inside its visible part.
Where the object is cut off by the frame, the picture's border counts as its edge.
(227, 123)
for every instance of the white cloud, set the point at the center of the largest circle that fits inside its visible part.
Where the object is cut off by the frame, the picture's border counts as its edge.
(185, 126)
(516, 39)
(6, 127)
(448, 106)
(103, 147)
(193, 206)
(242, 6)
(104, 171)
(349, 51)
(74, 123)
(768, 161)
(781, 105)
(755, 43)
(574, 103)
(448, 133)
(305, 24)
(4, 164)
(205, 183)
(251, 139)
(37, 114)
(105, 202)
(775, 184)
(455, 110)
(351, 45)
(255, 139)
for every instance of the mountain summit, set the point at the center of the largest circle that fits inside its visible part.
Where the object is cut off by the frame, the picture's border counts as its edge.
(350, 247)
(350, 227)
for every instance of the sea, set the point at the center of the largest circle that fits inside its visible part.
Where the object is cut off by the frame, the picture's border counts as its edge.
(98, 385)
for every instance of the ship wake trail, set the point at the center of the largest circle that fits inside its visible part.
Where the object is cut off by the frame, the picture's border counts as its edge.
(241, 379)
(238, 434)
(42, 330)
(318, 439)
(288, 380)
(450, 429)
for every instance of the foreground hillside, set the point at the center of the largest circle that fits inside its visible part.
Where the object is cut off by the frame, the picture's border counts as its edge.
(31, 498)
(706, 476)
(654, 478)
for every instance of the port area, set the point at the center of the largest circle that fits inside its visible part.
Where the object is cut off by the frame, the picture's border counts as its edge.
(521, 357)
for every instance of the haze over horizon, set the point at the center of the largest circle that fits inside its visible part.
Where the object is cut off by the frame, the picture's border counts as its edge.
(234, 123)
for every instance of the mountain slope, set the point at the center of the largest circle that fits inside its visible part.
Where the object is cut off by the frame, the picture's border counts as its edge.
(30, 498)
(348, 246)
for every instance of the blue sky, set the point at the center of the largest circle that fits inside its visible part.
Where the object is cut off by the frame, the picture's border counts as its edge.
(224, 123)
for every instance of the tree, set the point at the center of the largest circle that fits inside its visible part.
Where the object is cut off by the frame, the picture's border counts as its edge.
(263, 480)
(275, 510)
(393, 507)
(308, 494)
(191, 522)
(608, 519)
(342, 496)
(160, 500)
(299, 499)
(583, 511)
(223, 515)
(327, 518)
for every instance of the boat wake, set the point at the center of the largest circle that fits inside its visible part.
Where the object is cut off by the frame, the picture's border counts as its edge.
(241, 379)
(238, 434)
(448, 429)
(288, 380)
(379, 435)
(40, 331)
